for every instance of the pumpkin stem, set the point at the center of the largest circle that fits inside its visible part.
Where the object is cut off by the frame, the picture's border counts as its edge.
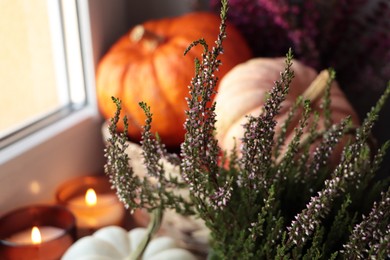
(317, 87)
(153, 227)
(150, 39)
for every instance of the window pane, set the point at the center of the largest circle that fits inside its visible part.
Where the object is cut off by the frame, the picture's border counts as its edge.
(27, 73)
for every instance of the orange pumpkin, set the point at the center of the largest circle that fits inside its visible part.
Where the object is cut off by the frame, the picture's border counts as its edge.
(245, 88)
(147, 64)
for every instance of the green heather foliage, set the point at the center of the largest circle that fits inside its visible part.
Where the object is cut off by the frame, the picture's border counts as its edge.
(297, 206)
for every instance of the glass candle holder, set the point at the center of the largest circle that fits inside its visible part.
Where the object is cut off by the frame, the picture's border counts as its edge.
(93, 202)
(36, 232)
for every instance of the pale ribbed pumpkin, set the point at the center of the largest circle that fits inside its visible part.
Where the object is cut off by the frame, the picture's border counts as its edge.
(147, 64)
(243, 91)
(115, 243)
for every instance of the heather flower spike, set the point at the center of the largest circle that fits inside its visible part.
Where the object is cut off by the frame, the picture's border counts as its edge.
(200, 151)
(264, 202)
(258, 140)
(370, 239)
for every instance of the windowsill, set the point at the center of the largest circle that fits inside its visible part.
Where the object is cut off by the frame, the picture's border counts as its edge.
(44, 131)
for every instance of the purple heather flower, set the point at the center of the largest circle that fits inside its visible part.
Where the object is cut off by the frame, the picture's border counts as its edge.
(200, 151)
(309, 219)
(371, 236)
(221, 197)
(258, 139)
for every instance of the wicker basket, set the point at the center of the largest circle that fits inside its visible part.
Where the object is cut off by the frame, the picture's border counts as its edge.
(190, 232)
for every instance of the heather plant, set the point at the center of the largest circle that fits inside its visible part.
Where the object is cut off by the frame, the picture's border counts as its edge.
(319, 31)
(260, 203)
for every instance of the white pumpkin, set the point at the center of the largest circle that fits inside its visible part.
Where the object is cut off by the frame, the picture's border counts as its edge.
(113, 242)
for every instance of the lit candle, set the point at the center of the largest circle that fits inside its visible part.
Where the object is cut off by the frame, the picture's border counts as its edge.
(36, 235)
(93, 202)
(93, 210)
(36, 232)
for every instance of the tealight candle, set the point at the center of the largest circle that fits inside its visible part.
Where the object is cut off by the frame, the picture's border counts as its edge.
(36, 235)
(94, 211)
(36, 232)
(93, 203)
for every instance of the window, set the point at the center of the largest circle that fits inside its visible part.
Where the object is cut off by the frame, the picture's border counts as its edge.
(37, 86)
(27, 49)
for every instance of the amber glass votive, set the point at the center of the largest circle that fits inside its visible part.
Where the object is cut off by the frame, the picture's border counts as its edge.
(93, 202)
(55, 232)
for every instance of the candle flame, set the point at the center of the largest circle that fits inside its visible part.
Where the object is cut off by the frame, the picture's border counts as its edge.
(35, 236)
(90, 197)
